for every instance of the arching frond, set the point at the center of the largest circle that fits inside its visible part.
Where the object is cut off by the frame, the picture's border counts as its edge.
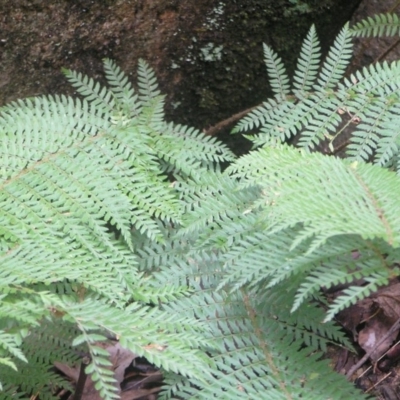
(378, 25)
(337, 60)
(279, 80)
(147, 82)
(79, 180)
(307, 64)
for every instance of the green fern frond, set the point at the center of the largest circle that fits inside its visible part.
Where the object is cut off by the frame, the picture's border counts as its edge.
(147, 82)
(254, 248)
(8, 362)
(252, 354)
(48, 125)
(318, 127)
(8, 392)
(337, 60)
(101, 98)
(115, 223)
(378, 25)
(34, 374)
(206, 210)
(100, 367)
(152, 114)
(167, 347)
(248, 363)
(344, 269)
(272, 124)
(83, 184)
(364, 185)
(33, 379)
(373, 100)
(279, 79)
(11, 345)
(354, 293)
(192, 145)
(307, 64)
(313, 113)
(366, 137)
(122, 89)
(255, 118)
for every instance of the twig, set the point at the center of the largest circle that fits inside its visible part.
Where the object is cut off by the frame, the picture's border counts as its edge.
(80, 385)
(387, 51)
(226, 122)
(355, 367)
(377, 383)
(394, 6)
(340, 147)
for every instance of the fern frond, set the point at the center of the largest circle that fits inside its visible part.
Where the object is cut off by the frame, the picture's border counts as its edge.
(11, 345)
(387, 148)
(152, 114)
(378, 25)
(32, 378)
(147, 82)
(255, 118)
(307, 64)
(248, 261)
(375, 215)
(343, 269)
(170, 345)
(206, 210)
(366, 137)
(274, 126)
(279, 79)
(122, 89)
(100, 97)
(48, 125)
(355, 293)
(100, 367)
(192, 145)
(326, 120)
(337, 60)
(252, 354)
(83, 184)
(102, 199)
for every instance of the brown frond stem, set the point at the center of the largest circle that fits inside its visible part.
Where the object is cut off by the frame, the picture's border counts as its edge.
(214, 130)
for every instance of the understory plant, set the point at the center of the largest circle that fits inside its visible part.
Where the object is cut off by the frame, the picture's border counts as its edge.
(116, 224)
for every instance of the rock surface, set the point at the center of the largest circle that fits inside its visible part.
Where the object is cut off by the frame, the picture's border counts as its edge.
(207, 54)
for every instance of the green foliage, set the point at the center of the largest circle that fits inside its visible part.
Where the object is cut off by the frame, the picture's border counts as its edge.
(79, 179)
(378, 25)
(116, 223)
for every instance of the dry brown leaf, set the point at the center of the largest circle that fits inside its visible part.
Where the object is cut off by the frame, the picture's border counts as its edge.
(375, 329)
(388, 300)
(384, 314)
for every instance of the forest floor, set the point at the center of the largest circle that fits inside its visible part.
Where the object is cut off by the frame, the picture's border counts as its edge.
(373, 324)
